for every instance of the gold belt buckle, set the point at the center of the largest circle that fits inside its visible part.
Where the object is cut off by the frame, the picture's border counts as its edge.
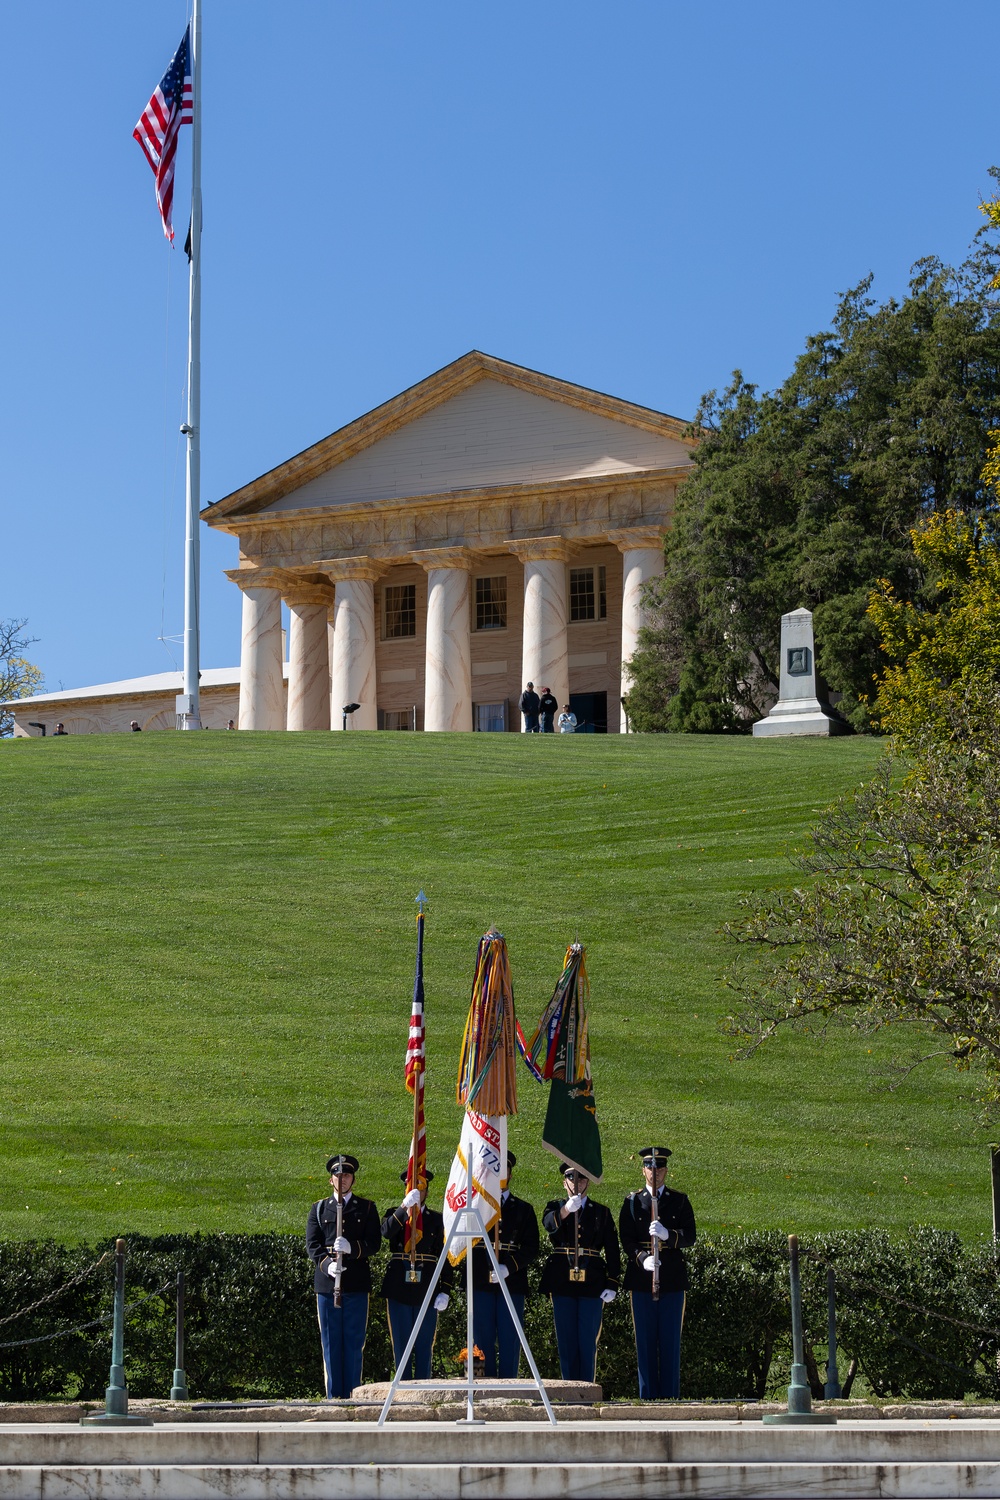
(414, 1274)
(577, 1273)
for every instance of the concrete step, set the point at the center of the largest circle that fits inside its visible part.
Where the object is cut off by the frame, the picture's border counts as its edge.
(504, 1461)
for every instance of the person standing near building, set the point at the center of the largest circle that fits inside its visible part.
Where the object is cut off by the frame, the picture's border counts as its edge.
(528, 704)
(547, 706)
(581, 1275)
(343, 1275)
(493, 1329)
(403, 1294)
(657, 1321)
(567, 720)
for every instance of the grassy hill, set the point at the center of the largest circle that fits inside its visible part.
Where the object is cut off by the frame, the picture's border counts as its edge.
(208, 960)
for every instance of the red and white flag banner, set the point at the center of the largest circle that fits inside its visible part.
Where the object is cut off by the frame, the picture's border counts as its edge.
(484, 1143)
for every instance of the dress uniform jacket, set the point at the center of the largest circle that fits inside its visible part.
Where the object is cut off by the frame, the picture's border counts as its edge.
(676, 1214)
(395, 1286)
(518, 1236)
(361, 1227)
(600, 1258)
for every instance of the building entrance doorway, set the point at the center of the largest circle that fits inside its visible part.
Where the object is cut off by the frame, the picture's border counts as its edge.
(591, 711)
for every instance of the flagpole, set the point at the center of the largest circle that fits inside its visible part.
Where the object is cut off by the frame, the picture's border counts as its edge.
(188, 704)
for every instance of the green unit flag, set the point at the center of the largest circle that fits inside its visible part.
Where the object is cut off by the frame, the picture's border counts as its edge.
(559, 1054)
(571, 1131)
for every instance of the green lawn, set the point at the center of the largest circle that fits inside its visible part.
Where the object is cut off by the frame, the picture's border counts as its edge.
(208, 961)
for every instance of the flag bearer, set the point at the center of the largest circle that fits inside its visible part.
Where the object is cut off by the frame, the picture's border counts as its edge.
(492, 1325)
(657, 1321)
(581, 1274)
(405, 1280)
(342, 1328)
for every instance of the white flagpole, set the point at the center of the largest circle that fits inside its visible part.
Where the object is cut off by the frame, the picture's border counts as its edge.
(188, 704)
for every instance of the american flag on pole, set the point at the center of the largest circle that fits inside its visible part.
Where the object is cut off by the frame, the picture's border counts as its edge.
(416, 1062)
(170, 107)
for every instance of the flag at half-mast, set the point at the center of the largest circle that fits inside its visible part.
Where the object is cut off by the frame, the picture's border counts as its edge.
(170, 107)
(416, 1064)
(559, 1054)
(487, 1086)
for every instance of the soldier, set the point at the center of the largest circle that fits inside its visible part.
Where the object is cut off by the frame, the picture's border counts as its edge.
(404, 1285)
(492, 1325)
(342, 1328)
(657, 1322)
(581, 1274)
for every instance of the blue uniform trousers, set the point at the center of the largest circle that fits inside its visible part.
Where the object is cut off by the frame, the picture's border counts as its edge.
(401, 1321)
(578, 1327)
(492, 1325)
(342, 1332)
(658, 1343)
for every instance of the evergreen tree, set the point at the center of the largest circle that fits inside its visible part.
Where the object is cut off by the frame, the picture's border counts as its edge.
(807, 496)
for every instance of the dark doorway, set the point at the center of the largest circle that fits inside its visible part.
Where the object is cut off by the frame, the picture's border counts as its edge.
(591, 711)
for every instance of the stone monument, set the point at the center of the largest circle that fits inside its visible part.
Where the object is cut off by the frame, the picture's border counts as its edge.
(798, 709)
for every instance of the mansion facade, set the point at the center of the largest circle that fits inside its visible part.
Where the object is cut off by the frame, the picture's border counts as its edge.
(489, 527)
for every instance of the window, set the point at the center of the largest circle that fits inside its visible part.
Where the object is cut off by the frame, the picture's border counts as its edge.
(491, 603)
(490, 717)
(588, 593)
(400, 610)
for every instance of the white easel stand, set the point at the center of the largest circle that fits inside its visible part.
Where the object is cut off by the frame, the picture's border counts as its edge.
(472, 1228)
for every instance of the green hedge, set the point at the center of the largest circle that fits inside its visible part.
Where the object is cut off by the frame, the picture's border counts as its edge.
(251, 1319)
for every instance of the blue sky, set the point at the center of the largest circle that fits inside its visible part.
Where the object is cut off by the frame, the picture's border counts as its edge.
(637, 196)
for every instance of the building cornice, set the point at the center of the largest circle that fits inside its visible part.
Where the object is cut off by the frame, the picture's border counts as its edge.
(491, 495)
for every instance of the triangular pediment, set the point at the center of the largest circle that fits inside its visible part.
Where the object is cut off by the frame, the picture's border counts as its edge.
(478, 423)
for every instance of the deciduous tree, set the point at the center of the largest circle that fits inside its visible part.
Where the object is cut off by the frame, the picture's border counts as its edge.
(897, 920)
(19, 678)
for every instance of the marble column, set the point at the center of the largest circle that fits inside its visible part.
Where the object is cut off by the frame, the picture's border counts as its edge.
(262, 689)
(544, 647)
(448, 647)
(352, 672)
(308, 658)
(641, 548)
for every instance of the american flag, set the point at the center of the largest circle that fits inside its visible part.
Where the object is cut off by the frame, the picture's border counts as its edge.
(416, 1062)
(169, 109)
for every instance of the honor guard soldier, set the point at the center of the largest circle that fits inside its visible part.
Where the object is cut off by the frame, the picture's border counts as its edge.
(581, 1274)
(515, 1238)
(656, 1275)
(406, 1278)
(342, 1234)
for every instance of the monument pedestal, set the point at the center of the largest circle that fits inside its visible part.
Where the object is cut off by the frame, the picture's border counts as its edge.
(798, 709)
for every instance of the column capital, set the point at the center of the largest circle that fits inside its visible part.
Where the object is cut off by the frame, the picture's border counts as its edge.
(258, 578)
(308, 593)
(632, 538)
(540, 549)
(351, 569)
(445, 557)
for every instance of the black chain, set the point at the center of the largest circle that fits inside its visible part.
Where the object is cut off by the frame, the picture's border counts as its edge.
(51, 1296)
(869, 1286)
(46, 1338)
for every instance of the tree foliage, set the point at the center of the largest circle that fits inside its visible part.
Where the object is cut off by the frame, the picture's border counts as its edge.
(19, 678)
(897, 920)
(806, 496)
(947, 637)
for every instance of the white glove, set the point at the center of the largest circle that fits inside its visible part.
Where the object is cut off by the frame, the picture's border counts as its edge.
(331, 1268)
(574, 1204)
(647, 1264)
(412, 1199)
(440, 1301)
(608, 1295)
(504, 1273)
(660, 1230)
(341, 1245)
